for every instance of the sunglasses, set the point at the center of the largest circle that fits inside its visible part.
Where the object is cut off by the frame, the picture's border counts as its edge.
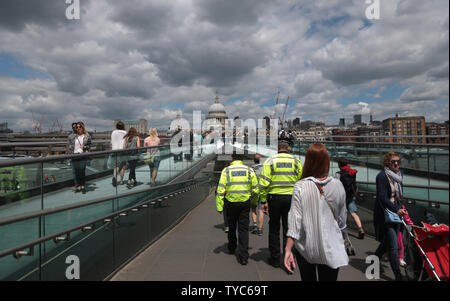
(396, 162)
(79, 127)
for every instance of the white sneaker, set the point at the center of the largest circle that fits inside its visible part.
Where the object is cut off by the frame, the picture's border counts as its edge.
(402, 263)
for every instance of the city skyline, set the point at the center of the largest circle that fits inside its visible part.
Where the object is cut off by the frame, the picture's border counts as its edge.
(154, 60)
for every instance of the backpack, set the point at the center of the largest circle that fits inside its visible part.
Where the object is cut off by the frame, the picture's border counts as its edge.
(349, 183)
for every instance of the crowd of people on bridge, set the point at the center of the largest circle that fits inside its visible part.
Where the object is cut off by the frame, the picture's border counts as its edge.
(310, 207)
(79, 142)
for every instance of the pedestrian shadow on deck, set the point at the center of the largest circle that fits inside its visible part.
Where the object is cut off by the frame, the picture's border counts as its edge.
(261, 255)
(221, 249)
(219, 226)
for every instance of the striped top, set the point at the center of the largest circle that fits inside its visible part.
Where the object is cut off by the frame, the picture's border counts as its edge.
(311, 224)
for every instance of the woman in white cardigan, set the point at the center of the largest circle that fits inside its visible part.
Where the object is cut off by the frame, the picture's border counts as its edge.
(316, 219)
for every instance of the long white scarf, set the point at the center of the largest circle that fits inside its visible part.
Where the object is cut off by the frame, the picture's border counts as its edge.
(397, 179)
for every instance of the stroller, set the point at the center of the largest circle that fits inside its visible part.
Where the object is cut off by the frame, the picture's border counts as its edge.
(426, 252)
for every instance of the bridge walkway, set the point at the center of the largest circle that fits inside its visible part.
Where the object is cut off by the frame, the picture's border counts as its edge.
(196, 250)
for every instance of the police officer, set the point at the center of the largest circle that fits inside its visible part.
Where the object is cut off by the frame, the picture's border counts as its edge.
(279, 174)
(237, 186)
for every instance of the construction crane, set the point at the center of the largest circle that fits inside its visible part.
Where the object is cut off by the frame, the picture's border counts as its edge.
(275, 109)
(56, 122)
(35, 124)
(37, 127)
(60, 127)
(284, 112)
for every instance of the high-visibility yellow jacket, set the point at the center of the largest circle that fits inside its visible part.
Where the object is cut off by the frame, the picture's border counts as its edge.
(279, 174)
(238, 183)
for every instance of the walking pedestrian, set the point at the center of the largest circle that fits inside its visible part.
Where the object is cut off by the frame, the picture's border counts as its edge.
(117, 144)
(153, 154)
(257, 213)
(131, 142)
(237, 185)
(279, 174)
(389, 194)
(347, 176)
(316, 218)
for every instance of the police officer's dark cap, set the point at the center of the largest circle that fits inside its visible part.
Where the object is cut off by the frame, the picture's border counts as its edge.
(282, 144)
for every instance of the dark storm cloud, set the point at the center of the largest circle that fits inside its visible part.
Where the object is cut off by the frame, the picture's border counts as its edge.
(441, 72)
(231, 12)
(15, 14)
(212, 64)
(143, 16)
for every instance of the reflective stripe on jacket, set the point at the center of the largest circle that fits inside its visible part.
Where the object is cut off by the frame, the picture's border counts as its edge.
(238, 183)
(279, 174)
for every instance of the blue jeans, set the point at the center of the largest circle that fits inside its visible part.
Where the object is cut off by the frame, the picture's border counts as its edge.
(390, 245)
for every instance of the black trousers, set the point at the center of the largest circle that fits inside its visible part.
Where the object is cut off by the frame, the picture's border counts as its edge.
(279, 206)
(225, 219)
(310, 272)
(132, 164)
(80, 171)
(238, 217)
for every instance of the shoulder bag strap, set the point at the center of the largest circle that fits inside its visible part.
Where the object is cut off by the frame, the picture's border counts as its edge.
(328, 202)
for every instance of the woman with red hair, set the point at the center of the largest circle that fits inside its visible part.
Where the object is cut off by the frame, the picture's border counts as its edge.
(317, 216)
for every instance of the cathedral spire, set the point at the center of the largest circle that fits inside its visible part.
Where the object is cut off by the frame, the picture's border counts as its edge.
(217, 97)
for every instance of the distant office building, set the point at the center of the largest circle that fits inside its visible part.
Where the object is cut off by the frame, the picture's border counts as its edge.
(437, 129)
(4, 128)
(376, 123)
(140, 125)
(371, 120)
(307, 124)
(296, 123)
(288, 124)
(267, 120)
(342, 122)
(357, 119)
(345, 135)
(370, 133)
(405, 126)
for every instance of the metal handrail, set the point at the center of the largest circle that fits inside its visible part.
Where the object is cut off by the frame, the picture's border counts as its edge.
(397, 137)
(40, 213)
(106, 217)
(96, 201)
(16, 162)
(373, 143)
(409, 185)
(410, 200)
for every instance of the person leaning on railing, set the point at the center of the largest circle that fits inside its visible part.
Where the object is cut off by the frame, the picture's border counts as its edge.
(81, 144)
(70, 146)
(388, 196)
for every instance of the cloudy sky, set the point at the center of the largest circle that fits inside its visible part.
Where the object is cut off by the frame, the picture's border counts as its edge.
(152, 59)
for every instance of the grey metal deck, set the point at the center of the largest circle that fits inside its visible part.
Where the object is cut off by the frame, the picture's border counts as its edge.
(195, 250)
